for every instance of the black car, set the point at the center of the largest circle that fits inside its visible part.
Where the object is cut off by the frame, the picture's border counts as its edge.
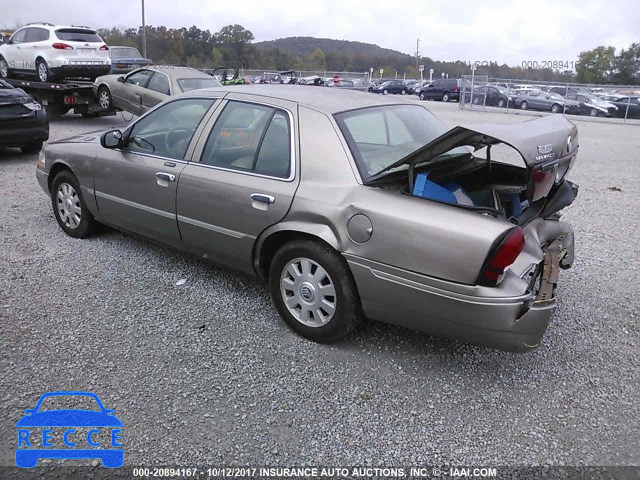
(630, 103)
(23, 121)
(593, 106)
(444, 89)
(488, 95)
(391, 86)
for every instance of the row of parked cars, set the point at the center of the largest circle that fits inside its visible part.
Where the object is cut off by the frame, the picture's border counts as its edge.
(555, 99)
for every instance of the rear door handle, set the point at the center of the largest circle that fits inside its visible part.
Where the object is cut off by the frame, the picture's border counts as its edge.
(263, 197)
(169, 177)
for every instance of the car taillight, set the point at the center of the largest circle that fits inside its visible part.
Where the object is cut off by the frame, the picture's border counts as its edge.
(62, 46)
(455, 89)
(501, 257)
(104, 47)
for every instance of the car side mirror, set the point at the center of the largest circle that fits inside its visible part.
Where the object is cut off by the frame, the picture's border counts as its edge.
(121, 79)
(111, 139)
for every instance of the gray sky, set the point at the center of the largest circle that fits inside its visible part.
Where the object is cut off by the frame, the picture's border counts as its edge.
(510, 31)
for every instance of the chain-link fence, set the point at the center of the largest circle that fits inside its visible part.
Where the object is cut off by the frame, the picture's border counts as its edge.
(323, 78)
(479, 92)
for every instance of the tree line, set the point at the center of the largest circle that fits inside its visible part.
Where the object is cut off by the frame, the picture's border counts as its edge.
(233, 46)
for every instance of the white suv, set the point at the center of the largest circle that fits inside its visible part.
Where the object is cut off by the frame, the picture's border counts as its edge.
(53, 52)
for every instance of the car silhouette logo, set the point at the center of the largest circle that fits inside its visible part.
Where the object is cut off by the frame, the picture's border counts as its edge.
(104, 434)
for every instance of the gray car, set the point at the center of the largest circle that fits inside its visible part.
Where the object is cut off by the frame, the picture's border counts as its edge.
(535, 99)
(347, 205)
(144, 88)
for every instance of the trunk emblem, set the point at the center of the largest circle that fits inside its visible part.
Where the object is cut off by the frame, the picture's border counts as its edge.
(545, 149)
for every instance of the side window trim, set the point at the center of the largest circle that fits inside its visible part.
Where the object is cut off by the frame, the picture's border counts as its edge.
(165, 76)
(215, 117)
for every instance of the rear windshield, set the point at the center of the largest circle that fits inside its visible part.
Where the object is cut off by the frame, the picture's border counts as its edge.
(125, 52)
(188, 84)
(380, 136)
(78, 35)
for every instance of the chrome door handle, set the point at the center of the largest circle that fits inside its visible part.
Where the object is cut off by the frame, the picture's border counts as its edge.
(262, 197)
(169, 177)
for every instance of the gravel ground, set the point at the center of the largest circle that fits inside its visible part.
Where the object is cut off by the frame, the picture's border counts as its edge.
(207, 373)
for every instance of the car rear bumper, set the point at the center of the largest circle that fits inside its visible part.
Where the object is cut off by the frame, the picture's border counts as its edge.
(22, 131)
(494, 317)
(82, 70)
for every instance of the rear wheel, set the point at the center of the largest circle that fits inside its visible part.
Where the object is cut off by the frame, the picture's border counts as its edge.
(69, 207)
(501, 103)
(524, 105)
(385, 91)
(104, 98)
(422, 96)
(4, 68)
(403, 92)
(314, 291)
(445, 97)
(555, 108)
(33, 147)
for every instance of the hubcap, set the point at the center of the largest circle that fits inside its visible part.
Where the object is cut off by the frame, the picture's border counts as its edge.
(104, 100)
(42, 72)
(308, 292)
(69, 206)
(4, 69)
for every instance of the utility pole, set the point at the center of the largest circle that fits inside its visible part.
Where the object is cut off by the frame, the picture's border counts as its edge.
(417, 53)
(144, 34)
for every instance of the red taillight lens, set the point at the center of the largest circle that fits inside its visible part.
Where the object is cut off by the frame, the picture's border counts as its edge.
(501, 257)
(104, 47)
(62, 46)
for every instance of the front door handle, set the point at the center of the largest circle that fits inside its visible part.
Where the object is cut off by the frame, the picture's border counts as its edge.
(263, 198)
(169, 177)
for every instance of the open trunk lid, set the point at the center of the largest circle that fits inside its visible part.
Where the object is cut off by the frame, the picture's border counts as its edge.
(547, 145)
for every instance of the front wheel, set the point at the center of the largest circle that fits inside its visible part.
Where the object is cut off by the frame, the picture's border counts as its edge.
(33, 147)
(445, 97)
(385, 91)
(69, 207)
(422, 96)
(403, 92)
(42, 71)
(4, 68)
(593, 112)
(501, 103)
(555, 108)
(314, 291)
(524, 105)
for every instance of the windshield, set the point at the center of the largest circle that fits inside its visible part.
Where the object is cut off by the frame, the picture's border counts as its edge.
(125, 52)
(188, 84)
(380, 136)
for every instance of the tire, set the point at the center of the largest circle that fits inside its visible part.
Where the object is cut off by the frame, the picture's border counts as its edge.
(33, 147)
(593, 112)
(555, 108)
(4, 68)
(43, 73)
(422, 96)
(445, 97)
(307, 313)
(524, 105)
(403, 92)
(385, 91)
(501, 103)
(66, 199)
(476, 100)
(104, 98)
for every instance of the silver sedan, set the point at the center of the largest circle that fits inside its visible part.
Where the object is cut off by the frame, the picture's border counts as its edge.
(347, 205)
(144, 88)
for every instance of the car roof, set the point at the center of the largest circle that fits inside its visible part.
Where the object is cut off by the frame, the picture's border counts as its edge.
(325, 100)
(178, 72)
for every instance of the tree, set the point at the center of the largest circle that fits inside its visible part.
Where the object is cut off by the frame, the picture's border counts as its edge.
(235, 38)
(627, 65)
(596, 66)
(317, 60)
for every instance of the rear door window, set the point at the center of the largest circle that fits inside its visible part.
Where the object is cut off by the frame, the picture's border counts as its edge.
(36, 35)
(159, 83)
